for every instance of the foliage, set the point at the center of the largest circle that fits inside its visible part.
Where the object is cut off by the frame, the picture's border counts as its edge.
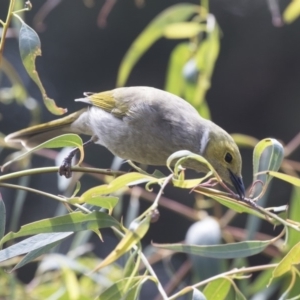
(84, 276)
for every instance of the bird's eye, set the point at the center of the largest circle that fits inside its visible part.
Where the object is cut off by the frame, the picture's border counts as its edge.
(228, 157)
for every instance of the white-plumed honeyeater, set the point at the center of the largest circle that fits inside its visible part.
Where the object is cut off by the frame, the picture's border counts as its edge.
(145, 125)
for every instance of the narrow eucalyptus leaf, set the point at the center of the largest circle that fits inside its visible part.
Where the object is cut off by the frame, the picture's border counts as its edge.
(2, 217)
(232, 250)
(154, 31)
(76, 221)
(30, 244)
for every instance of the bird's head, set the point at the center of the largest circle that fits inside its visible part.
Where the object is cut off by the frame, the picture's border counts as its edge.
(224, 155)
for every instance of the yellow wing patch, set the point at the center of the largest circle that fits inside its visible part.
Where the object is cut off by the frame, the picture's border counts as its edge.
(107, 102)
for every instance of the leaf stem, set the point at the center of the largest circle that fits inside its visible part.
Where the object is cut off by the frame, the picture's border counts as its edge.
(225, 274)
(5, 27)
(28, 189)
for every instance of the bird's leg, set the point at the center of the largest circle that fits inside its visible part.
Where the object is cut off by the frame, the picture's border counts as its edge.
(65, 167)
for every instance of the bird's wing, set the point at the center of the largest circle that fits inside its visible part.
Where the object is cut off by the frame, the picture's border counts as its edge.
(107, 102)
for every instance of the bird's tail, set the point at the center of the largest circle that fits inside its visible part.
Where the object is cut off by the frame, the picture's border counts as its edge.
(35, 135)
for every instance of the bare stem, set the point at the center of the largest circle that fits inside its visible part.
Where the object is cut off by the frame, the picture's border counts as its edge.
(5, 27)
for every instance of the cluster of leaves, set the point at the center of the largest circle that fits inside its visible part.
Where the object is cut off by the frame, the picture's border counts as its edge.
(79, 274)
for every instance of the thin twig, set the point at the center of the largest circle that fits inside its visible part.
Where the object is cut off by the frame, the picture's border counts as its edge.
(5, 27)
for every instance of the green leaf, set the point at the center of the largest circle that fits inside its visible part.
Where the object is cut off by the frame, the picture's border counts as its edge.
(76, 221)
(217, 289)
(238, 206)
(178, 58)
(206, 56)
(30, 256)
(33, 243)
(244, 140)
(267, 156)
(2, 217)
(65, 140)
(288, 178)
(108, 202)
(136, 232)
(292, 11)
(291, 259)
(183, 30)
(120, 288)
(294, 209)
(120, 182)
(154, 31)
(30, 48)
(233, 250)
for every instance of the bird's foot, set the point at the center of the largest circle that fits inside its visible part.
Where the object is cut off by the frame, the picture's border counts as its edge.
(65, 167)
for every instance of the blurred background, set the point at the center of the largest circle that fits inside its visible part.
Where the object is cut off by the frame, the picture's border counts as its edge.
(254, 90)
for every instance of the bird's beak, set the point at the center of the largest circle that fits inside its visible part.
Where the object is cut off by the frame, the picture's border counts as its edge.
(238, 184)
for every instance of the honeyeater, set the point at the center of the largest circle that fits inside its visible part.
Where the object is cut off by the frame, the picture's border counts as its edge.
(145, 125)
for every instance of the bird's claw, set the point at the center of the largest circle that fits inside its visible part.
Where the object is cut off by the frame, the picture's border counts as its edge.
(65, 168)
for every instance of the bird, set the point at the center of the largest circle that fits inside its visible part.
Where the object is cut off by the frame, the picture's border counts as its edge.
(145, 125)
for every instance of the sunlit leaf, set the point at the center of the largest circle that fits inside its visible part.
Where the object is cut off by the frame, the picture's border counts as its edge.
(292, 11)
(288, 178)
(217, 289)
(291, 259)
(206, 56)
(30, 48)
(154, 31)
(71, 283)
(65, 140)
(136, 232)
(120, 182)
(232, 250)
(244, 140)
(178, 58)
(33, 243)
(183, 30)
(294, 209)
(2, 217)
(76, 221)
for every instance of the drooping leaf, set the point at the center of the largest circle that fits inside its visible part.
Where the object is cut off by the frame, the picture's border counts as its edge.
(154, 31)
(33, 243)
(65, 140)
(2, 217)
(217, 289)
(136, 232)
(76, 221)
(232, 250)
(30, 48)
